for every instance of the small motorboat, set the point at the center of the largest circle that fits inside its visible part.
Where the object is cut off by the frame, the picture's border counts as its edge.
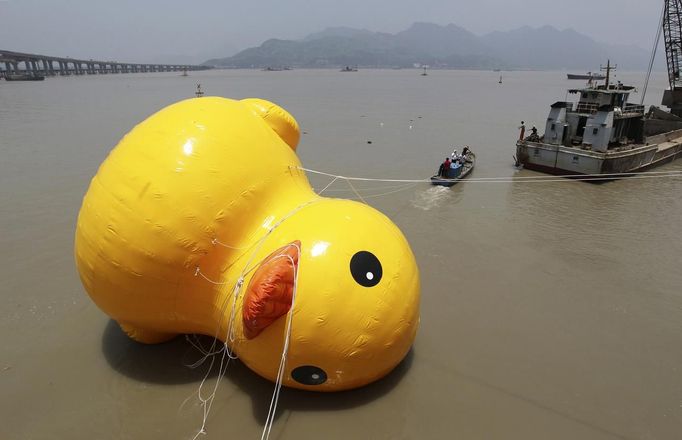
(455, 175)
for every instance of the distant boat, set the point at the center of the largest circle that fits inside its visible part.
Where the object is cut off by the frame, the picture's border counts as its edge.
(24, 77)
(349, 69)
(424, 72)
(199, 93)
(276, 69)
(184, 72)
(588, 75)
(500, 79)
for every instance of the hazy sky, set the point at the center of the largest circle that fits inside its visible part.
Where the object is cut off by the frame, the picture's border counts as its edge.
(153, 30)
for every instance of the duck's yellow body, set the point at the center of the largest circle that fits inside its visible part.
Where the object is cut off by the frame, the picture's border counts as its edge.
(210, 187)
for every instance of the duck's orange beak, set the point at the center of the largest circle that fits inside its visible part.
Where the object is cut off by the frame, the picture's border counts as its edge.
(270, 290)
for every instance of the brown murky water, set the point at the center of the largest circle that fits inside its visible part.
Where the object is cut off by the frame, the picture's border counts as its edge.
(549, 310)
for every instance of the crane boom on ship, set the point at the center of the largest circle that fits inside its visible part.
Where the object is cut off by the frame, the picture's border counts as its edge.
(672, 35)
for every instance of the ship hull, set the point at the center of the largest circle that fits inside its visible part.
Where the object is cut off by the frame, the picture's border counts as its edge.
(560, 160)
(24, 77)
(579, 76)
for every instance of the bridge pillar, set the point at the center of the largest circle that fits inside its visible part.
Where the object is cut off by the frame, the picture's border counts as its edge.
(47, 67)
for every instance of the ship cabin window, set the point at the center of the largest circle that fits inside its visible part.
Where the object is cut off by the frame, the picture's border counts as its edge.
(575, 159)
(595, 131)
(553, 127)
(583, 95)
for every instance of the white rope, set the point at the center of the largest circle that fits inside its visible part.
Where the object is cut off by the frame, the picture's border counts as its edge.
(218, 242)
(328, 185)
(513, 179)
(285, 350)
(369, 188)
(402, 188)
(355, 191)
(653, 54)
(207, 403)
(198, 272)
(225, 350)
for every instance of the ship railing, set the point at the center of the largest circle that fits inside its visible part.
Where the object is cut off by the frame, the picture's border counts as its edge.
(587, 107)
(633, 108)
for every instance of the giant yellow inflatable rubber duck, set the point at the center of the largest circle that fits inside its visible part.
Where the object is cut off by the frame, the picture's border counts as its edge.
(213, 187)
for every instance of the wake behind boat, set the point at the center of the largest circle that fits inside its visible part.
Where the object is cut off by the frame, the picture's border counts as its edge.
(448, 176)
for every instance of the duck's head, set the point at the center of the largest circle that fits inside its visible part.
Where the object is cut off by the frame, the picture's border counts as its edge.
(356, 309)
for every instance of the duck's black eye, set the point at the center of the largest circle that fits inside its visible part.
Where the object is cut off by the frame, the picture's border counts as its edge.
(309, 375)
(366, 269)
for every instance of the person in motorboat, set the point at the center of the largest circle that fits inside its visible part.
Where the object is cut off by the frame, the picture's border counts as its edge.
(444, 167)
(455, 168)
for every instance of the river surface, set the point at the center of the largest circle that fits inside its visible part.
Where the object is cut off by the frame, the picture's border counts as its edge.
(549, 310)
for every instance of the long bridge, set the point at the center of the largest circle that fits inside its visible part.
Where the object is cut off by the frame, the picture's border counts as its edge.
(44, 65)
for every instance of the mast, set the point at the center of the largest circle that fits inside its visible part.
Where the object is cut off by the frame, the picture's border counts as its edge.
(608, 69)
(672, 36)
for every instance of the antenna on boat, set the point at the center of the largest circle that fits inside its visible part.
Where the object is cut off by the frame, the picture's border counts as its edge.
(608, 69)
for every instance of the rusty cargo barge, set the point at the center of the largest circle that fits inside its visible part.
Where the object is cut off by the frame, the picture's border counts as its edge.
(602, 134)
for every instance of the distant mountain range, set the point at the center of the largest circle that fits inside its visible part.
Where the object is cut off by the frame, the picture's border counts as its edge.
(448, 46)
